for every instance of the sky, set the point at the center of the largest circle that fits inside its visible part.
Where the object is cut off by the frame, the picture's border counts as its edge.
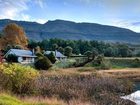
(121, 13)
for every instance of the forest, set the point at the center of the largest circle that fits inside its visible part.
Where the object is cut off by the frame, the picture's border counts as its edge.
(81, 47)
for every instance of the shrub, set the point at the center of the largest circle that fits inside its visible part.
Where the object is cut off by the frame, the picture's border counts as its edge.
(105, 65)
(88, 53)
(51, 57)
(39, 55)
(17, 78)
(102, 63)
(135, 63)
(12, 58)
(43, 63)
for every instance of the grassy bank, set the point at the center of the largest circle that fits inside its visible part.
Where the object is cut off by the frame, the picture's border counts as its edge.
(124, 62)
(116, 63)
(6, 99)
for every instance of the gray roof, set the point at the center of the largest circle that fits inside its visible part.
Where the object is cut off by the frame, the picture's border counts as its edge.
(20, 53)
(58, 54)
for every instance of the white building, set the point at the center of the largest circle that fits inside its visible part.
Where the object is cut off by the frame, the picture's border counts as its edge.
(24, 56)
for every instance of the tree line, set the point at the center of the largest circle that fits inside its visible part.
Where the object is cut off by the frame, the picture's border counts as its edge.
(83, 47)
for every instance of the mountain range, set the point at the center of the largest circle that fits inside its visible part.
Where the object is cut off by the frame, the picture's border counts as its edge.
(74, 31)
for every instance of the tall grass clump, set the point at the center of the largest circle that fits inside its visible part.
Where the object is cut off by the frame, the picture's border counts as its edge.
(17, 78)
(101, 63)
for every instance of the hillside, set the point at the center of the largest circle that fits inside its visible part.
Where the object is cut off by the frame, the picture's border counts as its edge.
(71, 30)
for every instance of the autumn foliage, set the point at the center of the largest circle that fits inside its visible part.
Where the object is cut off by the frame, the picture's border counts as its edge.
(13, 35)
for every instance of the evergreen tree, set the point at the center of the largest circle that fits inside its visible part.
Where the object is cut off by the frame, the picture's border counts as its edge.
(43, 63)
(51, 57)
(68, 51)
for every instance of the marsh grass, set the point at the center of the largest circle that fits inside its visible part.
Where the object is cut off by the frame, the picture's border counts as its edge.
(86, 88)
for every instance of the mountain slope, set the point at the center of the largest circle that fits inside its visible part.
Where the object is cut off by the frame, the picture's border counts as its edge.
(71, 30)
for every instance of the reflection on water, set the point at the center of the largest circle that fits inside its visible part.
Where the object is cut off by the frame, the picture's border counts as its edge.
(135, 97)
(137, 86)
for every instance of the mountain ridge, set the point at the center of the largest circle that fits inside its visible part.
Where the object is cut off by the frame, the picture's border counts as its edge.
(65, 29)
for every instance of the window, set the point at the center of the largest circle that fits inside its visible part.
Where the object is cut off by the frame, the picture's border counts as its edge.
(24, 58)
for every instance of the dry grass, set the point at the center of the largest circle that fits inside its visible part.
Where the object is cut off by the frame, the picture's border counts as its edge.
(42, 100)
(129, 73)
(126, 73)
(81, 88)
(71, 71)
(52, 101)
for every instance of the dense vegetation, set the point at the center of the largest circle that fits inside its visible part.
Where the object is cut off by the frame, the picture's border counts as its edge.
(17, 78)
(81, 47)
(98, 90)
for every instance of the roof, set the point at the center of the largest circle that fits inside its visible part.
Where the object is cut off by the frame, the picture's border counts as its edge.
(58, 54)
(20, 53)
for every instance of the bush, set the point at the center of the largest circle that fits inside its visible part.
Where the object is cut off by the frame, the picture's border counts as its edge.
(51, 57)
(105, 65)
(43, 63)
(12, 58)
(17, 78)
(39, 55)
(101, 63)
(136, 63)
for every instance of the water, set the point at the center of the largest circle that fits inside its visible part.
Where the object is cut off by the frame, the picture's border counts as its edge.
(135, 97)
(137, 87)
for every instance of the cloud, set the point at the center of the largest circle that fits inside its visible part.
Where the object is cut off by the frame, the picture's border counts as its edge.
(136, 23)
(11, 8)
(129, 24)
(25, 17)
(14, 9)
(40, 3)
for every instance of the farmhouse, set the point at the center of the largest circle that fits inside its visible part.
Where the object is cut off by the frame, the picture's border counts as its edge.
(24, 56)
(57, 54)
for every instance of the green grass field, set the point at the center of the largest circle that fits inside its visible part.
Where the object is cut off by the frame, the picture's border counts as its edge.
(119, 63)
(6, 99)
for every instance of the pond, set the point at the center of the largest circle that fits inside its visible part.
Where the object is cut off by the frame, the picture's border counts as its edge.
(137, 86)
(135, 97)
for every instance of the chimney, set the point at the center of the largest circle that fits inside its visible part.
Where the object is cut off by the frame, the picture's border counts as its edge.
(55, 52)
(33, 51)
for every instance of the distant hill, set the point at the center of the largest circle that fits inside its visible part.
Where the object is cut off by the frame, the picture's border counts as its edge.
(71, 30)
